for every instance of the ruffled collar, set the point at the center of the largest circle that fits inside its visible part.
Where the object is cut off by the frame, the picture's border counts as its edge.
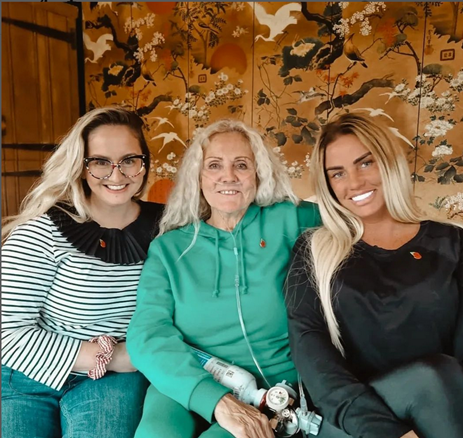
(123, 247)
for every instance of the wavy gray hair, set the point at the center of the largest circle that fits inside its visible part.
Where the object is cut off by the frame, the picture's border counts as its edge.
(187, 205)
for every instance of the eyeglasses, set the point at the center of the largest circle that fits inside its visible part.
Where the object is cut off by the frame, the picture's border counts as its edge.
(101, 168)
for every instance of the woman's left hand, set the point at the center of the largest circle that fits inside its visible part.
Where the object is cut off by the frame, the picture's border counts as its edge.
(241, 419)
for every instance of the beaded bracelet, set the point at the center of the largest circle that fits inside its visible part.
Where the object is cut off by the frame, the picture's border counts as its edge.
(103, 357)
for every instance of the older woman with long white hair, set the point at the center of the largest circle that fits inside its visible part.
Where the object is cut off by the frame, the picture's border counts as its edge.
(214, 281)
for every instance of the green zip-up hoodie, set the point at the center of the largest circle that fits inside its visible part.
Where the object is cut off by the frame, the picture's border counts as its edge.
(191, 300)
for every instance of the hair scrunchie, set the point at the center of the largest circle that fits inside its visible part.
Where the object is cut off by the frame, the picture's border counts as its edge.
(103, 357)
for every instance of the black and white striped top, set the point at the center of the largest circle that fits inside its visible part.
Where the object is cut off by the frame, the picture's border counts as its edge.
(54, 297)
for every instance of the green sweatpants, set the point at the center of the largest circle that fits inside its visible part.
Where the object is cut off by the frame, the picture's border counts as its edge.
(165, 418)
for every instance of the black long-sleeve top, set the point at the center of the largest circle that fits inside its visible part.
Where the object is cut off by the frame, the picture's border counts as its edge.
(392, 306)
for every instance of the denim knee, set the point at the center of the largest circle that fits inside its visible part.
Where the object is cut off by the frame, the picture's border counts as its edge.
(105, 408)
(29, 408)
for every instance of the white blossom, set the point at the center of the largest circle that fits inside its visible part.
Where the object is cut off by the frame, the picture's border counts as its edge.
(342, 28)
(426, 101)
(415, 93)
(138, 55)
(239, 31)
(437, 128)
(454, 204)
(156, 40)
(365, 28)
(420, 78)
(149, 20)
(441, 150)
(307, 160)
(239, 6)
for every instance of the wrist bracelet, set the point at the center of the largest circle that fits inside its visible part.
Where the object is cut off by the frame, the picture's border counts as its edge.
(103, 357)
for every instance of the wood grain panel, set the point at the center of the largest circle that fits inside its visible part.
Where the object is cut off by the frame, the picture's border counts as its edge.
(39, 89)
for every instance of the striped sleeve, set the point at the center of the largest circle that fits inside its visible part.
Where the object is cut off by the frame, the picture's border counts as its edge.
(28, 271)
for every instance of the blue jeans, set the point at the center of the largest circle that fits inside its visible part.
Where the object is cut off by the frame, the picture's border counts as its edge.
(110, 407)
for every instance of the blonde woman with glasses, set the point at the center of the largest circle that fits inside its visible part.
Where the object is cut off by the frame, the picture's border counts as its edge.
(71, 262)
(375, 296)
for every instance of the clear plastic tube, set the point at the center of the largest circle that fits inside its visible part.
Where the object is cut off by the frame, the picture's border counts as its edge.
(240, 312)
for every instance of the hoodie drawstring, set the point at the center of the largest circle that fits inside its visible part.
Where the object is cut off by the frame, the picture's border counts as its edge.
(244, 287)
(240, 270)
(216, 290)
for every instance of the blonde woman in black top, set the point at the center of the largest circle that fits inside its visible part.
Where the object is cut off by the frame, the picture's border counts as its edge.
(375, 296)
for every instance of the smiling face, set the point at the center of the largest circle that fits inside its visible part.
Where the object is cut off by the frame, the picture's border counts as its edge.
(228, 178)
(353, 175)
(114, 143)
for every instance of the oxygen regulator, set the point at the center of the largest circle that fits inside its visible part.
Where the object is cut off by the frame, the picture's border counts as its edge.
(280, 403)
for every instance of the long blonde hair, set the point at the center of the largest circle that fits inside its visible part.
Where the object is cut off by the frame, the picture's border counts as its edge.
(331, 245)
(61, 180)
(187, 205)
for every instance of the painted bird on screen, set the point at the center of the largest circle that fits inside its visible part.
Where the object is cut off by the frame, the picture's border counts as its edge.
(276, 23)
(352, 52)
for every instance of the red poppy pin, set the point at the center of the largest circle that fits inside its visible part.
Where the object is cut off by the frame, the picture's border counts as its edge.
(416, 255)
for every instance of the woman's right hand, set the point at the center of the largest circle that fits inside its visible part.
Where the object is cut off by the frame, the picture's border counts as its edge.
(120, 362)
(242, 420)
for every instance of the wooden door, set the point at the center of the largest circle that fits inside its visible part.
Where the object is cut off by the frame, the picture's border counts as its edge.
(40, 90)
